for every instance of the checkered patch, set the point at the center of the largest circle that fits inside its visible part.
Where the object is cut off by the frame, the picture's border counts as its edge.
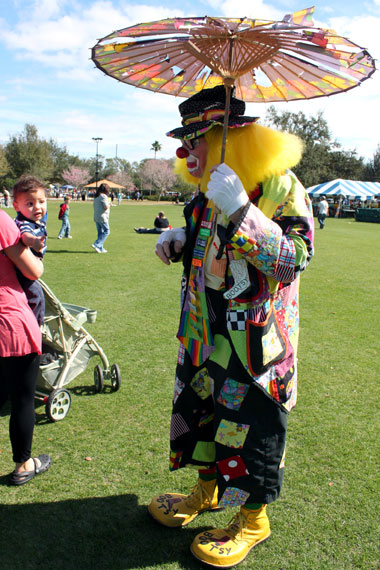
(236, 320)
(286, 262)
(175, 460)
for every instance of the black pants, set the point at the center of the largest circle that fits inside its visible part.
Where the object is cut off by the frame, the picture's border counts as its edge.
(18, 378)
(149, 231)
(220, 417)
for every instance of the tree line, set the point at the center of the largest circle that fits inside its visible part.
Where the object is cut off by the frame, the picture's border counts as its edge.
(323, 160)
(28, 153)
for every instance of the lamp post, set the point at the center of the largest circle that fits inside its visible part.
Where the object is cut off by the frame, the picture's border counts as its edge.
(97, 140)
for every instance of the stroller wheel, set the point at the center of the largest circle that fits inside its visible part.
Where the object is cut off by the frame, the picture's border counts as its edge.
(98, 378)
(58, 405)
(115, 377)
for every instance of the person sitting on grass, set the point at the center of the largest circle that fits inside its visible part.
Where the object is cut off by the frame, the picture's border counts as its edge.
(161, 224)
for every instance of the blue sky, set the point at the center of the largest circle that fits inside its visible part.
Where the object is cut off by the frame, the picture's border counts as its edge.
(48, 79)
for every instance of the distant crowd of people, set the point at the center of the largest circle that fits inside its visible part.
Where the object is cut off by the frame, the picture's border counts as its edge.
(339, 207)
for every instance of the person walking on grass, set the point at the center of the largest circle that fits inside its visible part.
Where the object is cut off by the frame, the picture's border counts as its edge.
(63, 215)
(6, 197)
(248, 237)
(101, 217)
(323, 211)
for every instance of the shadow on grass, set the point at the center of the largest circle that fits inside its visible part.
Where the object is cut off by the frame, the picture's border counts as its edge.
(89, 390)
(109, 533)
(85, 390)
(70, 251)
(41, 417)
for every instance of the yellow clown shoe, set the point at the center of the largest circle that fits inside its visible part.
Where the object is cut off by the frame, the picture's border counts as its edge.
(176, 510)
(227, 547)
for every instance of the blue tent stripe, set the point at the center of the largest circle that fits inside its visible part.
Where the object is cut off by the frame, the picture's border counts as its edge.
(353, 188)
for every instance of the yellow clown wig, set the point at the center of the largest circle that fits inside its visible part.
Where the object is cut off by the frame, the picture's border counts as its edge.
(254, 152)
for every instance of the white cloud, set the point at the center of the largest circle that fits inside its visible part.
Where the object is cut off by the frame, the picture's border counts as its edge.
(18, 83)
(248, 9)
(350, 116)
(362, 30)
(63, 41)
(372, 6)
(45, 9)
(133, 132)
(54, 94)
(145, 100)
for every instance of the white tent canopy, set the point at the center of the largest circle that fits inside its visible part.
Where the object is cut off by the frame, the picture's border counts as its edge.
(347, 188)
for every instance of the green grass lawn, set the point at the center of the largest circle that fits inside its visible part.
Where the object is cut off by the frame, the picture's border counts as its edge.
(110, 454)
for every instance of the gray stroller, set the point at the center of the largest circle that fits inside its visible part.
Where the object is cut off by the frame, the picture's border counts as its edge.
(66, 351)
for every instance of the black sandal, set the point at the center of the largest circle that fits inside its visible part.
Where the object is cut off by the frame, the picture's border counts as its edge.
(23, 477)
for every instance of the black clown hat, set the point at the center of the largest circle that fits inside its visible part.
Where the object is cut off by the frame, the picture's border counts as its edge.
(205, 110)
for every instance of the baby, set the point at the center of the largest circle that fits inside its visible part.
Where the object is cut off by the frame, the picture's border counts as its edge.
(29, 201)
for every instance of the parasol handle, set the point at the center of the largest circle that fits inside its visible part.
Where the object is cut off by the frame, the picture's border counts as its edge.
(228, 83)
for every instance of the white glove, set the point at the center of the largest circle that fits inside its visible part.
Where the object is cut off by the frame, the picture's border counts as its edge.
(176, 236)
(226, 190)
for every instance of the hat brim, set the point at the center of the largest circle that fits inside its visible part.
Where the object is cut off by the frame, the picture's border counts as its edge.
(196, 130)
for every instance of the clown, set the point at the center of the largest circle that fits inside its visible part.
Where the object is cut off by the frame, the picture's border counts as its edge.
(248, 237)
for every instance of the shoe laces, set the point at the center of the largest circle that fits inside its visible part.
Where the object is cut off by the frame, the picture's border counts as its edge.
(236, 525)
(197, 496)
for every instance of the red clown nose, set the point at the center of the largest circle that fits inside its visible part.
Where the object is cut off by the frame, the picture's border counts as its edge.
(182, 152)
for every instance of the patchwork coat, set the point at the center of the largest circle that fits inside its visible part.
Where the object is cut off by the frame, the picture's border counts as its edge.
(274, 241)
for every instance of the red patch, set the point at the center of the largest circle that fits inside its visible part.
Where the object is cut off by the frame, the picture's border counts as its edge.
(232, 468)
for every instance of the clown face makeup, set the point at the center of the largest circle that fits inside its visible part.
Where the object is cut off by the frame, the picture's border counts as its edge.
(195, 153)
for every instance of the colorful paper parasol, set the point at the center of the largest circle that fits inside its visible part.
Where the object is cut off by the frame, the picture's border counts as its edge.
(266, 61)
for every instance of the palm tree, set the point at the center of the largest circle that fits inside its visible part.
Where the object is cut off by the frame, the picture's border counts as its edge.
(156, 147)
